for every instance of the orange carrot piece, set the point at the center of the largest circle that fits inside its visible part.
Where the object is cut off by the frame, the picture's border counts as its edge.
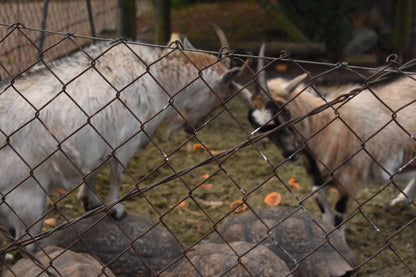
(273, 199)
(281, 67)
(293, 184)
(239, 206)
(198, 146)
(334, 191)
(50, 221)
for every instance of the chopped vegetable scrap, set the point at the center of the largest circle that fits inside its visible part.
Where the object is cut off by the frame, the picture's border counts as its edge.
(58, 191)
(206, 186)
(180, 205)
(273, 199)
(239, 206)
(281, 67)
(293, 184)
(215, 152)
(334, 191)
(50, 221)
(198, 146)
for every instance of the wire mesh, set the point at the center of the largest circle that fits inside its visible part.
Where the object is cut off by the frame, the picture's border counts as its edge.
(197, 201)
(63, 16)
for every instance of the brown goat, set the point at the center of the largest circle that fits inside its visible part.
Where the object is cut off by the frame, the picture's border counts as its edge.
(369, 137)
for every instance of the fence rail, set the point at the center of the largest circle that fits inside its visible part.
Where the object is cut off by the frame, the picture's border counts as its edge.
(219, 199)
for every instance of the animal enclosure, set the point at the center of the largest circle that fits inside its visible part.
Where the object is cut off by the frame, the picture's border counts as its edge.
(181, 188)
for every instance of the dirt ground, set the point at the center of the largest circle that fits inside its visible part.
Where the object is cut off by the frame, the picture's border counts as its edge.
(202, 203)
(191, 205)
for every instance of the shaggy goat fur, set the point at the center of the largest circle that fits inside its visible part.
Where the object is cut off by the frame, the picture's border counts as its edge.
(367, 138)
(60, 124)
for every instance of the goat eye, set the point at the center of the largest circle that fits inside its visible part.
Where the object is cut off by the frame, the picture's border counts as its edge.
(283, 111)
(286, 113)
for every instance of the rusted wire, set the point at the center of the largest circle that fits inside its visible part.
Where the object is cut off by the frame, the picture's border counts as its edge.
(252, 138)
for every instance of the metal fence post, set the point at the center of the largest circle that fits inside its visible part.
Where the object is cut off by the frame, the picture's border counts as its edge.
(43, 26)
(90, 17)
(127, 18)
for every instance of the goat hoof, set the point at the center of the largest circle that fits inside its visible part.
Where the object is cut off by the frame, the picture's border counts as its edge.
(398, 200)
(88, 205)
(85, 203)
(118, 212)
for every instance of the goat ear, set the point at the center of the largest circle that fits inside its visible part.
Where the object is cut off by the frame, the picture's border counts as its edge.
(231, 75)
(174, 37)
(187, 44)
(291, 85)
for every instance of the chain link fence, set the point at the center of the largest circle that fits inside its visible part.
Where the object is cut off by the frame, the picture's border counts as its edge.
(82, 17)
(214, 199)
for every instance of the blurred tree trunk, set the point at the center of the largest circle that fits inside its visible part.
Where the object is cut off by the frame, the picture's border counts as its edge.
(402, 32)
(162, 21)
(127, 18)
(274, 10)
(412, 51)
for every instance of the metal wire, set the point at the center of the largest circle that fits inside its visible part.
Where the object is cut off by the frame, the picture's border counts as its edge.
(221, 163)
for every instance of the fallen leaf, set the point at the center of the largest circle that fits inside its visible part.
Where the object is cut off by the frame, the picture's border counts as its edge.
(273, 199)
(215, 152)
(271, 180)
(293, 184)
(196, 222)
(50, 221)
(211, 203)
(206, 175)
(239, 206)
(188, 147)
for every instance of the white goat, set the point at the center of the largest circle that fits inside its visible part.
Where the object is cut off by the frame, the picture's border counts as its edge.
(58, 125)
(369, 138)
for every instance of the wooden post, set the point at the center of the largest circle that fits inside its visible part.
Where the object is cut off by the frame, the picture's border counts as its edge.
(90, 17)
(127, 18)
(402, 32)
(162, 21)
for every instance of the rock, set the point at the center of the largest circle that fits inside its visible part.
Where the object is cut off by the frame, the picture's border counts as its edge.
(296, 237)
(215, 259)
(59, 262)
(153, 247)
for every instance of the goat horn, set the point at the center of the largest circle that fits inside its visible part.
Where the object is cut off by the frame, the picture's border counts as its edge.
(261, 85)
(221, 35)
(262, 81)
(295, 82)
(245, 95)
(187, 44)
(223, 40)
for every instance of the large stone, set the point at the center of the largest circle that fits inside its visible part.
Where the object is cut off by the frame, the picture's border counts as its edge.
(59, 262)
